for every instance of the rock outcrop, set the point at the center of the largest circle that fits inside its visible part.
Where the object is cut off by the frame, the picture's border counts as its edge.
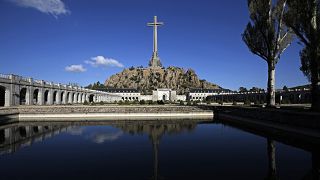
(148, 79)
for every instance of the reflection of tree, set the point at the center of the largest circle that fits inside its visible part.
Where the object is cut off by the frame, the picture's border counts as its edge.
(316, 164)
(156, 130)
(272, 169)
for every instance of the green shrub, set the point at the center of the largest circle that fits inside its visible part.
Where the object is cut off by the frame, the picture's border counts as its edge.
(194, 103)
(101, 103)
(161, 102)
(126, 102)
(247, 102)
(181, 103)
(85, 102)
(234, 103)
(142, 102)
(189, 103)
(286, 101)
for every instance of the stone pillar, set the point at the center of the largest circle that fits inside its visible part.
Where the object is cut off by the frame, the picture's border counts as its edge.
(64, 97)
(83, 97)
(8, 135)
(80, 98)
(7, 98)
(58, 97)
(75, 98)
(87, 97)
(29, 95)
(70, 97)
(28, 131)
(95, 99)
(40, 97)
(15, 95)
(40, 129)
(50, 97)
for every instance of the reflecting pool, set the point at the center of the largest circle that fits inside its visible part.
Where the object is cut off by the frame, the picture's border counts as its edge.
(150, 150)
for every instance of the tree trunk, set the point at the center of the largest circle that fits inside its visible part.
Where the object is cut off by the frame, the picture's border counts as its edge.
(315, 81)
(271, 93)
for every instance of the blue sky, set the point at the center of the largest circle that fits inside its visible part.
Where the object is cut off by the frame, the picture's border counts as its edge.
(101, 37)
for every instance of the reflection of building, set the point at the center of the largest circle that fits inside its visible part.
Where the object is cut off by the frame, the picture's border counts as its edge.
(14, 137)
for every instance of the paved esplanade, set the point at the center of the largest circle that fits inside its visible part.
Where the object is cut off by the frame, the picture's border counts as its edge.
(155, 60)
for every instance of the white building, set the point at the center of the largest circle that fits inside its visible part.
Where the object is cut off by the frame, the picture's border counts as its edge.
(164, 95)
(125, 94)
(134, 95)
(201, 94)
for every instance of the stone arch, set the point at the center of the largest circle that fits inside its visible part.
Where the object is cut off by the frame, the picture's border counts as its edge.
(62, 97)
(35, 99)
(2, 137)
(35, 129)
(67, 97)
(46, 97)
(2, 96)
(164, 97)
(22, 131)
(298, 98)
(307, 98)
(23, 96)
(55, 97)
(91, 98)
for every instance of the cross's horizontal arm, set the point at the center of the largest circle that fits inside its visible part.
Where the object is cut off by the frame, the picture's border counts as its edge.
(155, 24)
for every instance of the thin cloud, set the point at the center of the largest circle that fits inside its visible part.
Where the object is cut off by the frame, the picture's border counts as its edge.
(53, 7)
(104, 62)
(75, 68)
(101, 137)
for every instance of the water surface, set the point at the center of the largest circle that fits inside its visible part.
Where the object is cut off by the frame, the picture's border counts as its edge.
(146, 150)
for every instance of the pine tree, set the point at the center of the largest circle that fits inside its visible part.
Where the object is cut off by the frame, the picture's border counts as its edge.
(303, 17)
(267, 36)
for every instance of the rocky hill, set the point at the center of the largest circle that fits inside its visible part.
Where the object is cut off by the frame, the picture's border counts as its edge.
(148, 79)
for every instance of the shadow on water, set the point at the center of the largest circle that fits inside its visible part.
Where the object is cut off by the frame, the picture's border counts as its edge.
(310, 144)
(16, 136)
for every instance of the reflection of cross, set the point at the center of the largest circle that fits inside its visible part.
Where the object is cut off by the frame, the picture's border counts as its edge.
(155, 25)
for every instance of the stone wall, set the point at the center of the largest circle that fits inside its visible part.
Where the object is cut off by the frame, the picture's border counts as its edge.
(107, 109)
(294, 117)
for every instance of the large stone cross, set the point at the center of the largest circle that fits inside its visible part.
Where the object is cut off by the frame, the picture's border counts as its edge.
(155, 60)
